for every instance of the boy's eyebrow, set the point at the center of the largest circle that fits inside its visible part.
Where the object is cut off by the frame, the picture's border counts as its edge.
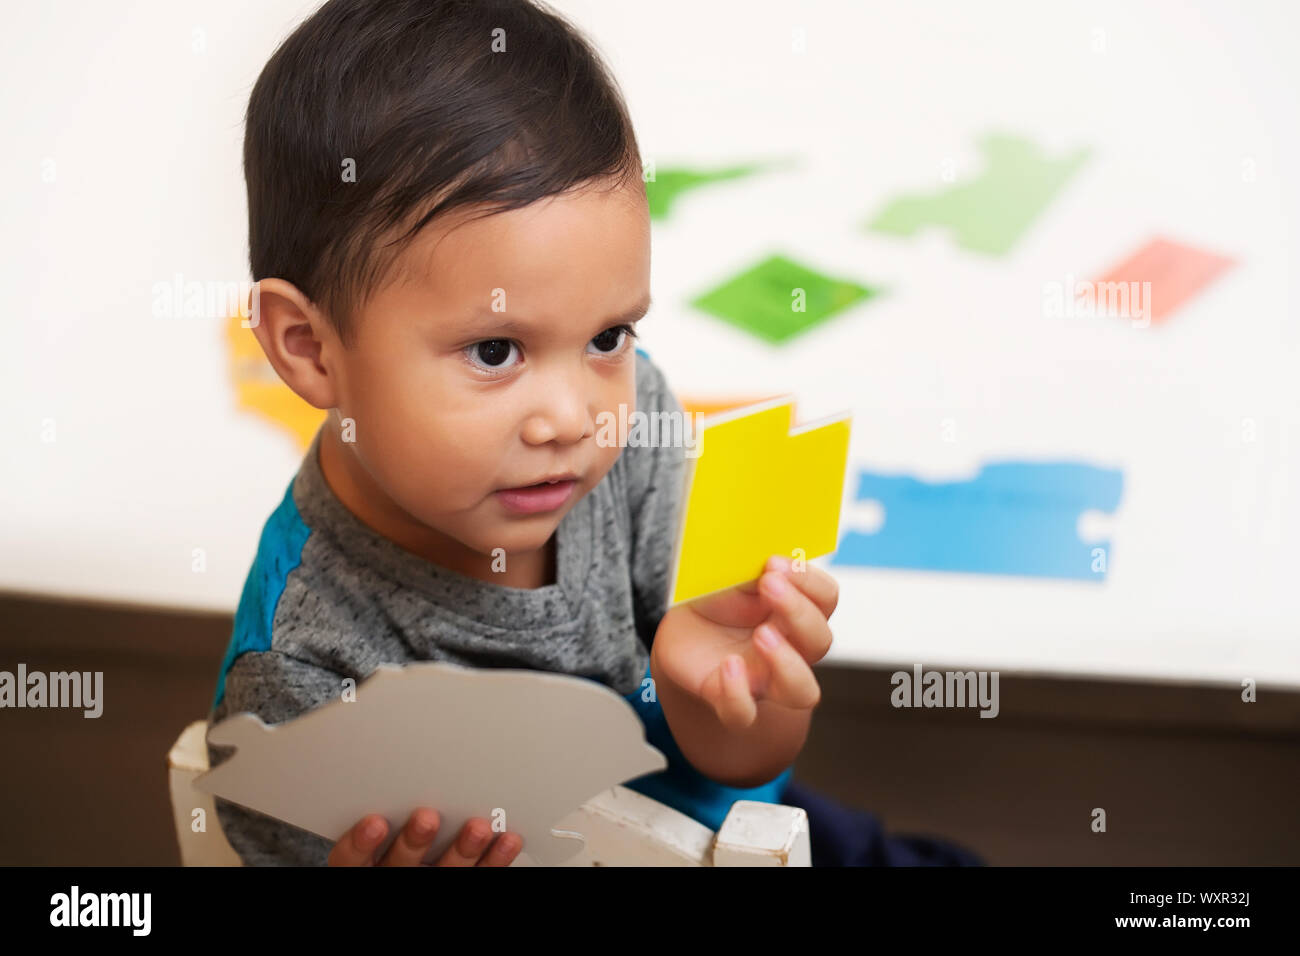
(485, 320)
(638, 311)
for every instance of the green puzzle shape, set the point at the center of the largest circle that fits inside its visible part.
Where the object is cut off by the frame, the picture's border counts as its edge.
(759, 300)
(669, 184)
(989, 213)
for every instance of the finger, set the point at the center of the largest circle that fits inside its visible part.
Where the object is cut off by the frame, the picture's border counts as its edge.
(741, 605)
(796, 616)
(727, 692)
(415, 839)
(504, 850)
(358, 846)
(474, 838)
(792, 682)
(823, 589)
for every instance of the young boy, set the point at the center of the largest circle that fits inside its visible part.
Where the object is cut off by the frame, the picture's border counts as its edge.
(450, 231)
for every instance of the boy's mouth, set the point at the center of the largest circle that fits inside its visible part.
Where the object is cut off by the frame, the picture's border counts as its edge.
(545, 482)
(542, 496)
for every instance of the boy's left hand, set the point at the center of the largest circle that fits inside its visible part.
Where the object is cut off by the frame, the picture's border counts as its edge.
(699, 641)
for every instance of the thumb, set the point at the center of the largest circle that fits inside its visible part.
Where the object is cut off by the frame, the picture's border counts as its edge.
(727, 692)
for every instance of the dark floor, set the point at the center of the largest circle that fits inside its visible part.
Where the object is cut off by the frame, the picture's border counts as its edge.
(1187, 775)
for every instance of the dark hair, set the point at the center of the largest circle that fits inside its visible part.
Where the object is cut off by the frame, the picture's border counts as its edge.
(413, 92)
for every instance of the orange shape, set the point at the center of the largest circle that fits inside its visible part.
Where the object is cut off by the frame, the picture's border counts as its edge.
(711, 406)
(260, 390)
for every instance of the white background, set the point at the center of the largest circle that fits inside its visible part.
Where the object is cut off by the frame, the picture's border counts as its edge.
(1189, 110)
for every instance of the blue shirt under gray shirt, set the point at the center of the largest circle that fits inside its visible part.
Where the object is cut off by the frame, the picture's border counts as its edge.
(329, 598)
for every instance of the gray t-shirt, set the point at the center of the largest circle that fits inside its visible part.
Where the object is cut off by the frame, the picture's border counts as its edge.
(328, 598)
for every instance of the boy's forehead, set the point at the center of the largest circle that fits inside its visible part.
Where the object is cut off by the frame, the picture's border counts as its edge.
(546, 247)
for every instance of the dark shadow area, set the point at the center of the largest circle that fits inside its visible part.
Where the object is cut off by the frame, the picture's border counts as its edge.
(1186, 774)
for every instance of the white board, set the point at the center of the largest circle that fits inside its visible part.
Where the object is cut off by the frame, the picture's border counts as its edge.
(157, 487)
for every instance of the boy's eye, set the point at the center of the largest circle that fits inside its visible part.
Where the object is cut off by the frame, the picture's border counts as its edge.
(492, 353)
(611, 340)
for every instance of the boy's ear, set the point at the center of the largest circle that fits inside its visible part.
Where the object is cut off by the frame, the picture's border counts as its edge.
(297, 340)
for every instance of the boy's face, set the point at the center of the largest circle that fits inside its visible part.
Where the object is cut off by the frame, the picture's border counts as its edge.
(484, 367)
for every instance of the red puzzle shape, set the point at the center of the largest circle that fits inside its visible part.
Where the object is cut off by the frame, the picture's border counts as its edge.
(1176, 273)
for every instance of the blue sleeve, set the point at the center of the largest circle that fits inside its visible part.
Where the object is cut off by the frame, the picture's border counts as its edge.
(681, 786)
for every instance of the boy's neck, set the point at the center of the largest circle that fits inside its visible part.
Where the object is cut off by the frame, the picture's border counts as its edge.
(358, 493)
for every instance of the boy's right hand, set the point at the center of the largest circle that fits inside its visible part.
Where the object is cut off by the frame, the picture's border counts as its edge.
(357, 848)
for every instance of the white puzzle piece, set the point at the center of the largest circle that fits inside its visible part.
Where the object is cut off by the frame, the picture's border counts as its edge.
(467, 742)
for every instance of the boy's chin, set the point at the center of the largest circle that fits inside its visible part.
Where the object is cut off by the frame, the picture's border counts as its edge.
(515, 534)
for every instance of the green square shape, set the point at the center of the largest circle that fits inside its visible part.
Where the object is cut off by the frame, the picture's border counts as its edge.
(759, 299)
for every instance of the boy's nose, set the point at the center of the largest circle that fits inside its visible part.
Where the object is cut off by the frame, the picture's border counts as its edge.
(563, 416)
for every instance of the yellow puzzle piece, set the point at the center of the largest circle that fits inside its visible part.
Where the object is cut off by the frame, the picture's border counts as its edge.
(758, 488)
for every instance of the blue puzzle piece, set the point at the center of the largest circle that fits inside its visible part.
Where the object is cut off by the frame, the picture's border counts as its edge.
(1016, 518)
